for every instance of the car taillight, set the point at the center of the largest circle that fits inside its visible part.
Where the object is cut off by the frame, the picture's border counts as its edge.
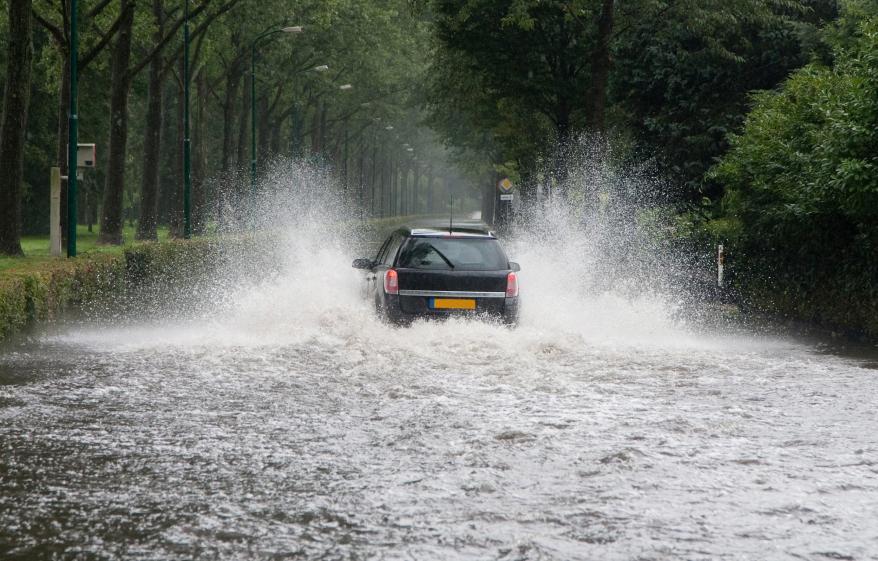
(511, 285)
(391, 282)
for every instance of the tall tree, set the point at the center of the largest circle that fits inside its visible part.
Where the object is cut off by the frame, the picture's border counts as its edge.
(111, 214)
(99, 27)
(513, 76)
(16, 97)
(159, 68)
(149, 183)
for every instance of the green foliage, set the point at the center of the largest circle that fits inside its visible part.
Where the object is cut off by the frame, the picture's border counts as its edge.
(40, 290)
(381, 48)
(802, 181)
(512, 76)
(684, 86)
(41, 293)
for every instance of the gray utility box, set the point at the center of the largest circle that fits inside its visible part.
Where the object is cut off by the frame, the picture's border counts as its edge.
(86, 155)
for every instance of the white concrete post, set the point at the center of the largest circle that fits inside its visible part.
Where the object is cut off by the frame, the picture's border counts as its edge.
(55, 213)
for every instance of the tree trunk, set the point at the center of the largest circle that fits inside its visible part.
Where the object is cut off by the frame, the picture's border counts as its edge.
(323, 114)
(263, 132)
(243, 158)
(596, 106)
(406, 203)
(149, 185)
(92, 203)
(176, 208)
(430, 190)
(391, 188)
(274, 143)
(152, 142)
(199, 163)
(16, 98)
(229, 116)
(296, 126)
(384, 184)
(315, 130)
(373, 177)
(111, 213)
(233, 80)
(361, 181)
(345, 156)
(397, 189)
(416, 186)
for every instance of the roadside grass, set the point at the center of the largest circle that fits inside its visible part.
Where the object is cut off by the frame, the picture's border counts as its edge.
(36, 249)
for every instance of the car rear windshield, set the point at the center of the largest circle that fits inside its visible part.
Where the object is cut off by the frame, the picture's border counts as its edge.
(465, 254)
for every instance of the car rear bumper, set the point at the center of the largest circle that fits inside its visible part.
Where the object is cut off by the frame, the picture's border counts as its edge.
(410, 305)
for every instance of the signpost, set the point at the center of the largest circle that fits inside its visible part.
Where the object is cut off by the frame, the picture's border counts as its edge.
(504, 210)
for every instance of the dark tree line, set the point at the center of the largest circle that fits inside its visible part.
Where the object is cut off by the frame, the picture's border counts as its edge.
(131, 89)
(13, 126)
(671, 78)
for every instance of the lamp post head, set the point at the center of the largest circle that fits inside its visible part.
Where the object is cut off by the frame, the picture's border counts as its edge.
(388, 128)
(321, 68)
(293, 29)
(346, 87)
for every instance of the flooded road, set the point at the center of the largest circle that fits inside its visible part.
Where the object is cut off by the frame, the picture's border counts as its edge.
(291, 424)
(333, 437)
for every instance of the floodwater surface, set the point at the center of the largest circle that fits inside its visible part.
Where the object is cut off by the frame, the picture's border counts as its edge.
(294, 425)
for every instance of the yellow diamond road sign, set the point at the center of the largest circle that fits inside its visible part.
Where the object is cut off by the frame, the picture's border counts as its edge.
(504, 185)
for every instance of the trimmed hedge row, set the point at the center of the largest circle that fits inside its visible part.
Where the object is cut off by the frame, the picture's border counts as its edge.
(44, 292)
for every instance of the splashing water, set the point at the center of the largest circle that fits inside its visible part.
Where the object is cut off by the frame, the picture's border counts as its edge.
(590, 276)
(277, 417)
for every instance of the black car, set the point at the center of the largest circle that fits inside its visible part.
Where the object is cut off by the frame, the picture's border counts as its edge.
(431, 271)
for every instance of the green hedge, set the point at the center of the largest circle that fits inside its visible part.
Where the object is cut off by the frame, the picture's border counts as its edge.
(44, 291)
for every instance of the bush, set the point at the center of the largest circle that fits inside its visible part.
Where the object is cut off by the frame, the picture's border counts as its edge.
(44, 291)
(802, 182)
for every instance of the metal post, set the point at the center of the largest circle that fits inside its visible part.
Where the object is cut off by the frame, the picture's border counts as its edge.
(187, 142)
(73, 134)
(720, 265)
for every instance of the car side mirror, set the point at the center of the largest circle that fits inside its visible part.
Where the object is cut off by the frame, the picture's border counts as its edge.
(514, 266)
(362, 264)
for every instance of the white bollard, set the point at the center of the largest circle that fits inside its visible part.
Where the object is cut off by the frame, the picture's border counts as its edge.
(55, 213)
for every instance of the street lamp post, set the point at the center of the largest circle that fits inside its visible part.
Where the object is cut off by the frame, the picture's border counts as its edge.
(253, 44)
(73, 134)
(187, 141)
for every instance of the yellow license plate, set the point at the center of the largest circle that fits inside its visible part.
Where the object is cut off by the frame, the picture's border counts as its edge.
(453, 304)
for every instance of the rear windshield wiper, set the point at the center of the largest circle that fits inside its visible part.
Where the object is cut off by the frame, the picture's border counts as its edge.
(440, 254)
